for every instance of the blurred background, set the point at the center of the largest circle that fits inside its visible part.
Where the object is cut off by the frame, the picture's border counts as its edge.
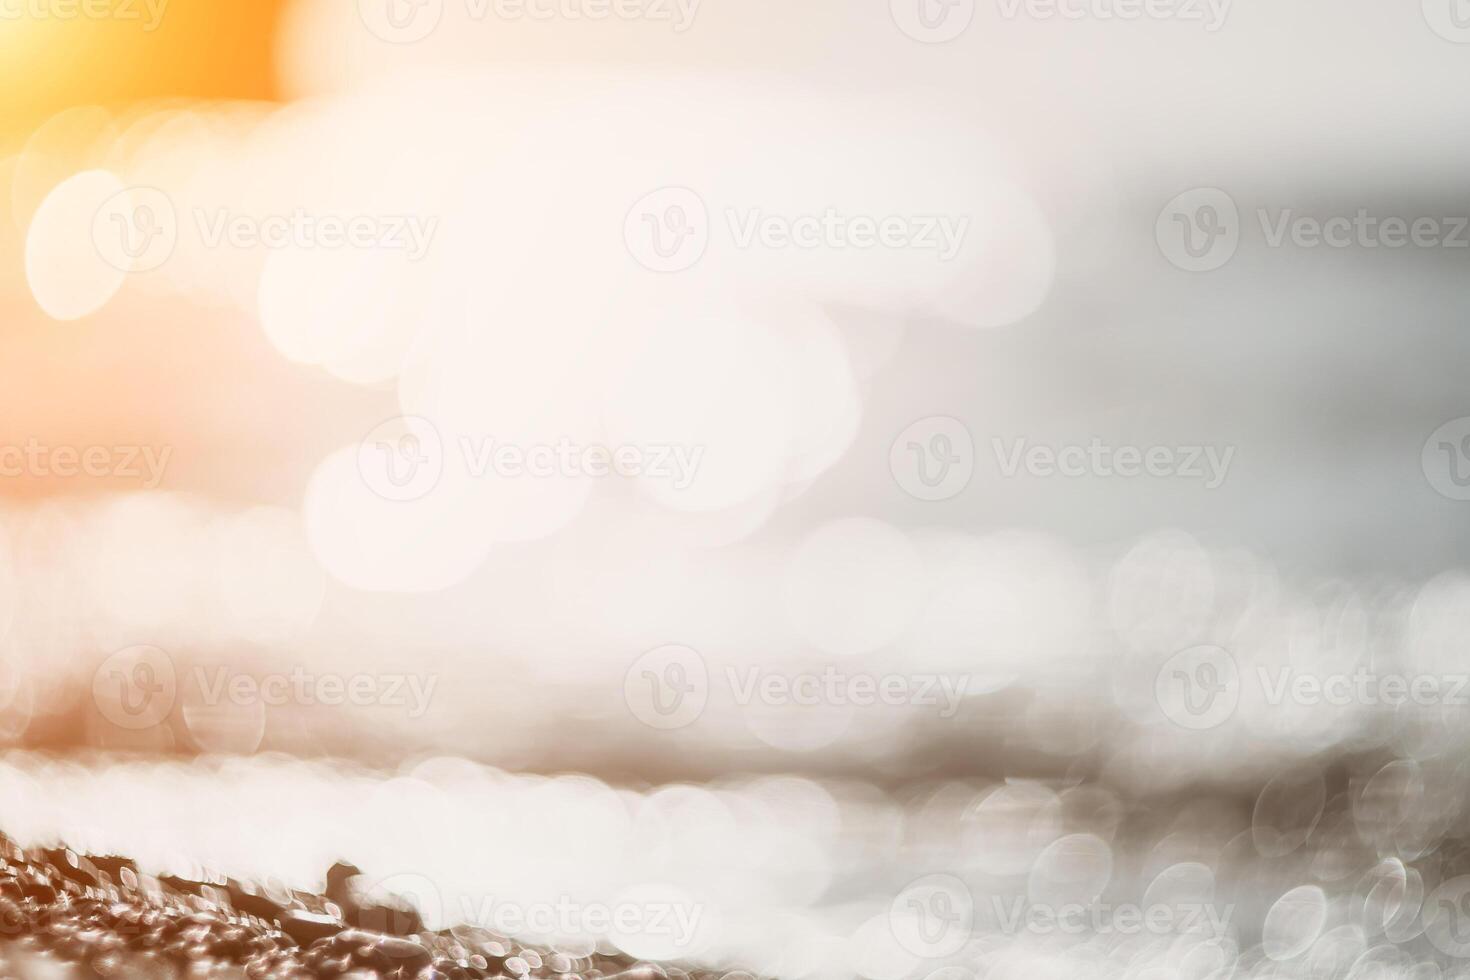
(838, 463)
